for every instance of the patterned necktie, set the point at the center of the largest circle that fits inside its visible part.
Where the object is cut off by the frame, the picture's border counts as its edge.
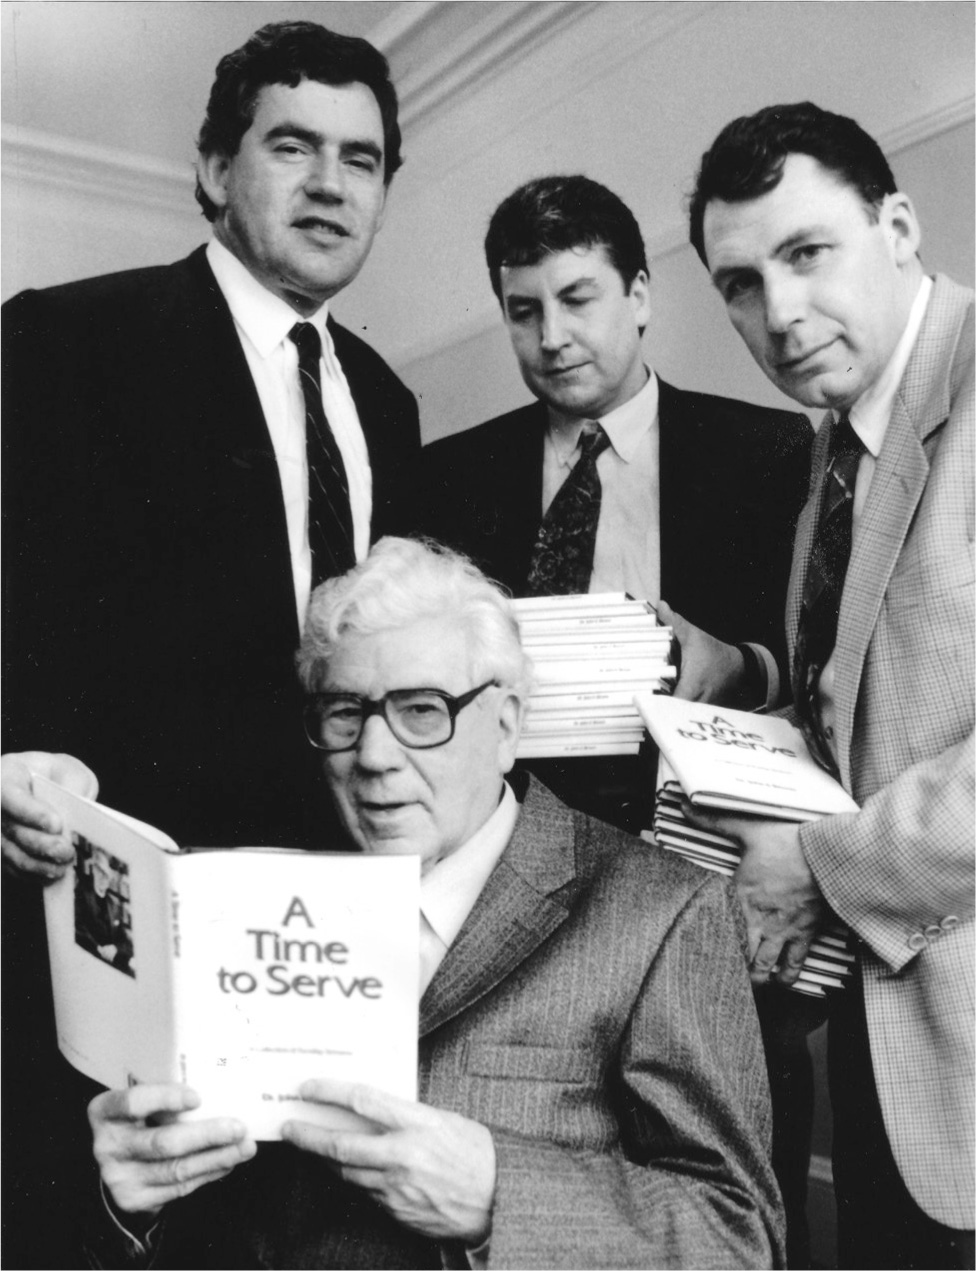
(330, 534)
(824, 584)
(562, 559)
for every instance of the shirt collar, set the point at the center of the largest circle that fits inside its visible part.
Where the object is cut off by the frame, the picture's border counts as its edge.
(263, 317)
(871, 412)
(449, 890)
(626, 426)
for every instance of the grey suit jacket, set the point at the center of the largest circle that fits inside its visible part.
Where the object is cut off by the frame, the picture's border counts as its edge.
(900, 872)
(595, 1013)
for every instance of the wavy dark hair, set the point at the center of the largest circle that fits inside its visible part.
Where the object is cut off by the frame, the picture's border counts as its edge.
(287, 53)
(747, 157)
(555, 214)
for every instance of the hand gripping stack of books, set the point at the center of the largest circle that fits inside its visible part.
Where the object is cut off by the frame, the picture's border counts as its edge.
(590, 654)
(747, 764)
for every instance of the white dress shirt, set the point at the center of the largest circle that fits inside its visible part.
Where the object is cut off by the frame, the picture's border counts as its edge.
(627, 551)
(870, 416)
(449, 889)
(263, 321)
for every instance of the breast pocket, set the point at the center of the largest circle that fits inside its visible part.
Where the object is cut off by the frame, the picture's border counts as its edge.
(572, 1066)
(557, 1093)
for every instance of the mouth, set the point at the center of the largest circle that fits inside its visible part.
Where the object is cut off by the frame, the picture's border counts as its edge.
(803, 361)
(560, 372)
(380, 810)
(321, 225)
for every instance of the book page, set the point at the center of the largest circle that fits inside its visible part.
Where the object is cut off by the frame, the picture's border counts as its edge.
(108, 930)
(293, 965)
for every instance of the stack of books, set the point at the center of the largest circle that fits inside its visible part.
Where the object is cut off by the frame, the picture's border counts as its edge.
(591, 654)
(750, 764)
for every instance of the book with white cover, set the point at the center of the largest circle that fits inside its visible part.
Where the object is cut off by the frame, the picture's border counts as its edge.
(590, 654)
(741, 761)
(828, 964)
(240, 972)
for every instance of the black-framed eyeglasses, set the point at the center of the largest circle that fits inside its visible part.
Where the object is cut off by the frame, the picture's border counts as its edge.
(420, 718)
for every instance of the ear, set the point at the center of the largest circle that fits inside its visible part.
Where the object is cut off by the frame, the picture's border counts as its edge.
(640, 294)
(511, 713)
(212, 172)
(901, 227)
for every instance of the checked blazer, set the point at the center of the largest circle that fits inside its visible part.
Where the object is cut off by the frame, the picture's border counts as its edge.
(900, 871)
(595, 1013)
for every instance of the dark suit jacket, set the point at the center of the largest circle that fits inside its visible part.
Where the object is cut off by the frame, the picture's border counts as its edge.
(733, 478)
(594, 1012)
(151, 620)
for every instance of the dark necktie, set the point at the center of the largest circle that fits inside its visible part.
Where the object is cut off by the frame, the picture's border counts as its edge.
(330, 534)
(824, 584)
(562, 559)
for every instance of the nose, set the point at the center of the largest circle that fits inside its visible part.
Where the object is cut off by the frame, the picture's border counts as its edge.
(553, 334)
(784, 303)
(378, 750)
(325, 177)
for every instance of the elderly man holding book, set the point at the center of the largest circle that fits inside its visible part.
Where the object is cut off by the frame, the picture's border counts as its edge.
(592, 1090)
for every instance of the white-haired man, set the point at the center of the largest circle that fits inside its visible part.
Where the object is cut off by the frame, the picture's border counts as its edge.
(592, 1090)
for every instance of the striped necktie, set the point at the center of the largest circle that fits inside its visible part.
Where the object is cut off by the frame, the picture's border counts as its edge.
(562, 559)
(823, 586)
(330, 534)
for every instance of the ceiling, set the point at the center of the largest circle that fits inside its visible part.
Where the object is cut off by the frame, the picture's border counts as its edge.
(161, 52)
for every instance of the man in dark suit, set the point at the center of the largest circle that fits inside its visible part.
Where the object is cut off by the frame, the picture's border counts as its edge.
(591, 1082)
(698, 495)
(814, 250)
(165, 512)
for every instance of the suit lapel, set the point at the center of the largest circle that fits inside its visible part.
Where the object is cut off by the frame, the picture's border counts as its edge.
(676, 497)
(920, 409)
(896, 487)
(234, 450)
(517, 910)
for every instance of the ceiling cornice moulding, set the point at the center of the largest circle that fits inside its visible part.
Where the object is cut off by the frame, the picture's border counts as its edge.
(469, 59)
(37, 158)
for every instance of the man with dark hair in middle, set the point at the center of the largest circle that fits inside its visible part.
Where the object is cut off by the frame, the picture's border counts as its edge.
(697, 499)
(697, 496)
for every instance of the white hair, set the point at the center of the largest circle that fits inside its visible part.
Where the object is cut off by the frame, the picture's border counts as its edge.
(402, 581)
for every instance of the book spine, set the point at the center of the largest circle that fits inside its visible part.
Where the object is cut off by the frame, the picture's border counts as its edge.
(551, 749)
(620, 631)
(638, 671)
(579, 600)
(542, 702)
(592, 650)
(546, 725)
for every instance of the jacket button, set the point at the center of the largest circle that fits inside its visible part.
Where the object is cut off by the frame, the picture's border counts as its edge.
(950, 923)
(917, 941)
(933, 931)
(829, 733)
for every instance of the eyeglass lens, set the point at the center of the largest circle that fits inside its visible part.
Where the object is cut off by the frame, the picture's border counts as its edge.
(412, 716)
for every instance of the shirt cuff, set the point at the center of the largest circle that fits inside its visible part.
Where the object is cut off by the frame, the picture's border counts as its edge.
(458, 1257)
(119, 1245)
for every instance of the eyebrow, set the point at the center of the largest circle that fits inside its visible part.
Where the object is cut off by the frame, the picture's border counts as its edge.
(316, 140)
(515, 297)
(785, 245)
